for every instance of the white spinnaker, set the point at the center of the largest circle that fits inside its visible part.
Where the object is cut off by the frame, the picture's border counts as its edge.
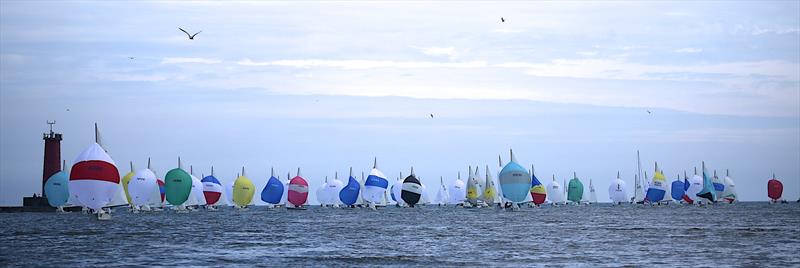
(695, 186)
(458, 191)
(142, 187)
(617, 191)
(555, 192)
(425, 197)
(374, 194)
(332, 191)
(94, 194)
(397, 188)
(322, 193)
(197, 191)
(730, 188)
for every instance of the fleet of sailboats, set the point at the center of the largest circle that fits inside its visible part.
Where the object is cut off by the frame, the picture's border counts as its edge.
(95, 183)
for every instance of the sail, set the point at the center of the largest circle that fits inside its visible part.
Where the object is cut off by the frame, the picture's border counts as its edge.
(458, 191)
(56, 189)
(197, 191)
(243, 190)
(538, 191)
(162, 190)
(490, 189)
(774, 188)
(142, 186)
(678, 190)
(707, 192)
(657, 190)
(411, 191)
(178, 186)
(729, 195)
(473, 193)
(94, 179)
(515, 181)
(555, 192)
(298, 190)
(719, 185)
(212, 189)
(592, 193)
(396, 191)
(617, 191)
(375, 186)
(348, 195)
(273, 190)
(334, 187)
(575, 190)
(442, 196)
(424, 198)
(125, 181)
(322, 194)
(695, 186)
(285, 197)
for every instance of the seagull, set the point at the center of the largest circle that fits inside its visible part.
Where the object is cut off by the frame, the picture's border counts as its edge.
(502, 19)
(191, 36)
(431, 115)
(67, 109)
(130, 58)
(649, 112)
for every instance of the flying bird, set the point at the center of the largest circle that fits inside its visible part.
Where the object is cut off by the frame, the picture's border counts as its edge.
(130, 58)
(502, 19)
(191, 36)
(649, 112)
(431, 115)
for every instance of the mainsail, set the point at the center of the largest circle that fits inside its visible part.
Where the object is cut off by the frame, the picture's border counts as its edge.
(592, 193)
(473, 193)
(490, 189)
(515, 181)
(442, 196)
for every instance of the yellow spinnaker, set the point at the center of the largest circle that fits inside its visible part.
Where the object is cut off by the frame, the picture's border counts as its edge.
(125, 180)
(243, 191)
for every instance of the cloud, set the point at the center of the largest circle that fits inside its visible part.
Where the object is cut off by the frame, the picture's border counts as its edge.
(508, 31)
(178, 60)
(688, 50)
(134, 77)
(450, 52)
(364, 64)
(759, 31)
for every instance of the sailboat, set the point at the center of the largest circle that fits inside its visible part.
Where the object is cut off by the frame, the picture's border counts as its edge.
(556, 192)
(298, 192)
(774, 189)
(285, 196)
(322, 194)
(56, 189)
(617, 191)
(162, 194)
(397, 190)
(695, 186)
(719, 185)
(538, 191)
(707, 191)
(334, 187)
(243, 191)
(196, 198)
(473, 193)
(411, 191)
(141, 188)
(678, 190)
(592, 193)
(375, 186)
(515, 182)
(361, 202)
(125, 181)
(424, 197)
(458, 191)
(490, 189)
(212, 190)
(442, 196)
(94, 179)
(348, 195)
(575, 190)
(657, 189)
(178, 186)
(273, 190)
(729, 195)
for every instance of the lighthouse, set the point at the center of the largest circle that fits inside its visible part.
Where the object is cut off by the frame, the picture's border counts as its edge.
(52, 154)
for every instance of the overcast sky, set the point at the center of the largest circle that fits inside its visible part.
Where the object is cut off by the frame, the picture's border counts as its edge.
(326, 86)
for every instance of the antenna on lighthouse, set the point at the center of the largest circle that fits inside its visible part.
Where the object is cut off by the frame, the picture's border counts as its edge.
(51, 123)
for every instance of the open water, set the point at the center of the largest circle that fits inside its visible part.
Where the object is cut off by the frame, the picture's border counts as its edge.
(744, 234)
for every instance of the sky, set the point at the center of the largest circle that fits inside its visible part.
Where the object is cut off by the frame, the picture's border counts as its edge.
(325, 86)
